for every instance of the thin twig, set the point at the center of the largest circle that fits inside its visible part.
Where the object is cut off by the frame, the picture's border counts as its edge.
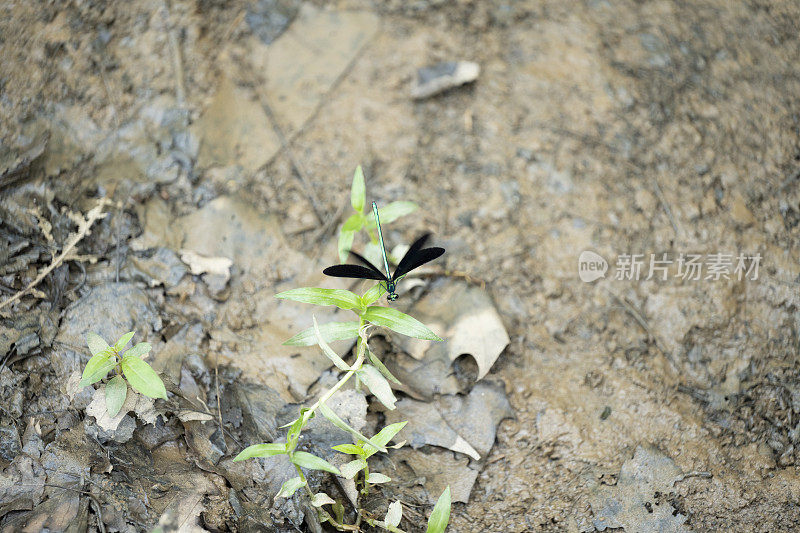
(83, 229)
(216, 385)
(177, 61)
(117, 259)
(666, 207)
(307, 188)
(637, 316)
(466, 276)
(95, 504)
(694, 473)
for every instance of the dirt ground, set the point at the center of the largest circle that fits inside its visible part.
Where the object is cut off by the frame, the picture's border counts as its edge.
(616, 127)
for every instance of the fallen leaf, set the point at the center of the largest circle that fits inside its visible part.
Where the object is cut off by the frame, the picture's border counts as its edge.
(630, 504)
(428, 427)
(477, 415)
(466, 319)
(440, 469)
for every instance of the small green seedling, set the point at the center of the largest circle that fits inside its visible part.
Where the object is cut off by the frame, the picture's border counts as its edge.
(368, 371)
(127, 364)
(361, 220)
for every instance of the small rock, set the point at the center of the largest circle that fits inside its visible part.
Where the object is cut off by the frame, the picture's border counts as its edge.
(645, 201)
(739, 211)
(162, 268)
(10, 445)
(443, 76)
(268, 19)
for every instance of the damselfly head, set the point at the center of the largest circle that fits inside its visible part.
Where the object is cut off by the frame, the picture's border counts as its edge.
(390, 288)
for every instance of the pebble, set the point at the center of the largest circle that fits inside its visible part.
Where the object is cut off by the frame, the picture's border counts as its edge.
(438, 78)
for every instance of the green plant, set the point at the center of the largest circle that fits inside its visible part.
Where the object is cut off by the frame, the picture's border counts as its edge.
(127, 364)
(361, 220)
(368, 371)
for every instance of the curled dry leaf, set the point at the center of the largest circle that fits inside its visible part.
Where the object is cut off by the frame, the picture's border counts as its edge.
(467, 320)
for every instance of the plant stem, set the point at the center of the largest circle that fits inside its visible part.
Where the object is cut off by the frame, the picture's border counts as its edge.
(325, 514)
(361, 350)
(360, 353)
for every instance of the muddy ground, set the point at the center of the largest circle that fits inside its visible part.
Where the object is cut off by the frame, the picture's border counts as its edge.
(233, 128)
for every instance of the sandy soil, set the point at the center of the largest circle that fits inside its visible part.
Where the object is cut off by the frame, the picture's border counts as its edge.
(621, 128)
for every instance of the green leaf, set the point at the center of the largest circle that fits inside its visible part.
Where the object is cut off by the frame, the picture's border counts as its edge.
(116, 390)
(333, 356)
(122, 342)
(312, 462)
(141, 349)
(319, 499)
(394, 210)
(358, 191)
(261, 450)
(393, 319)
(313, 295)
(328, 413)
(440, 516)
(377, 477)
(332, 331)
(394, 514)
(377, 385)
(349, 470)
(142, 377)
(373, 294)
(384, 436)
(98, 367)
(96, 343)
(293, 435)
(380, 366)
(289, 487)
(354, 223)
(350, 449)
(345, 243)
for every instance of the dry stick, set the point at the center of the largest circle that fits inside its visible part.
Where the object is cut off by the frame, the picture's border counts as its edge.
(216, 386)
(637, 316)
(466, 276)
(312, 196)
(285, 144)
(95, 504)
(83, 229)
(666, 207)
(177, 61)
